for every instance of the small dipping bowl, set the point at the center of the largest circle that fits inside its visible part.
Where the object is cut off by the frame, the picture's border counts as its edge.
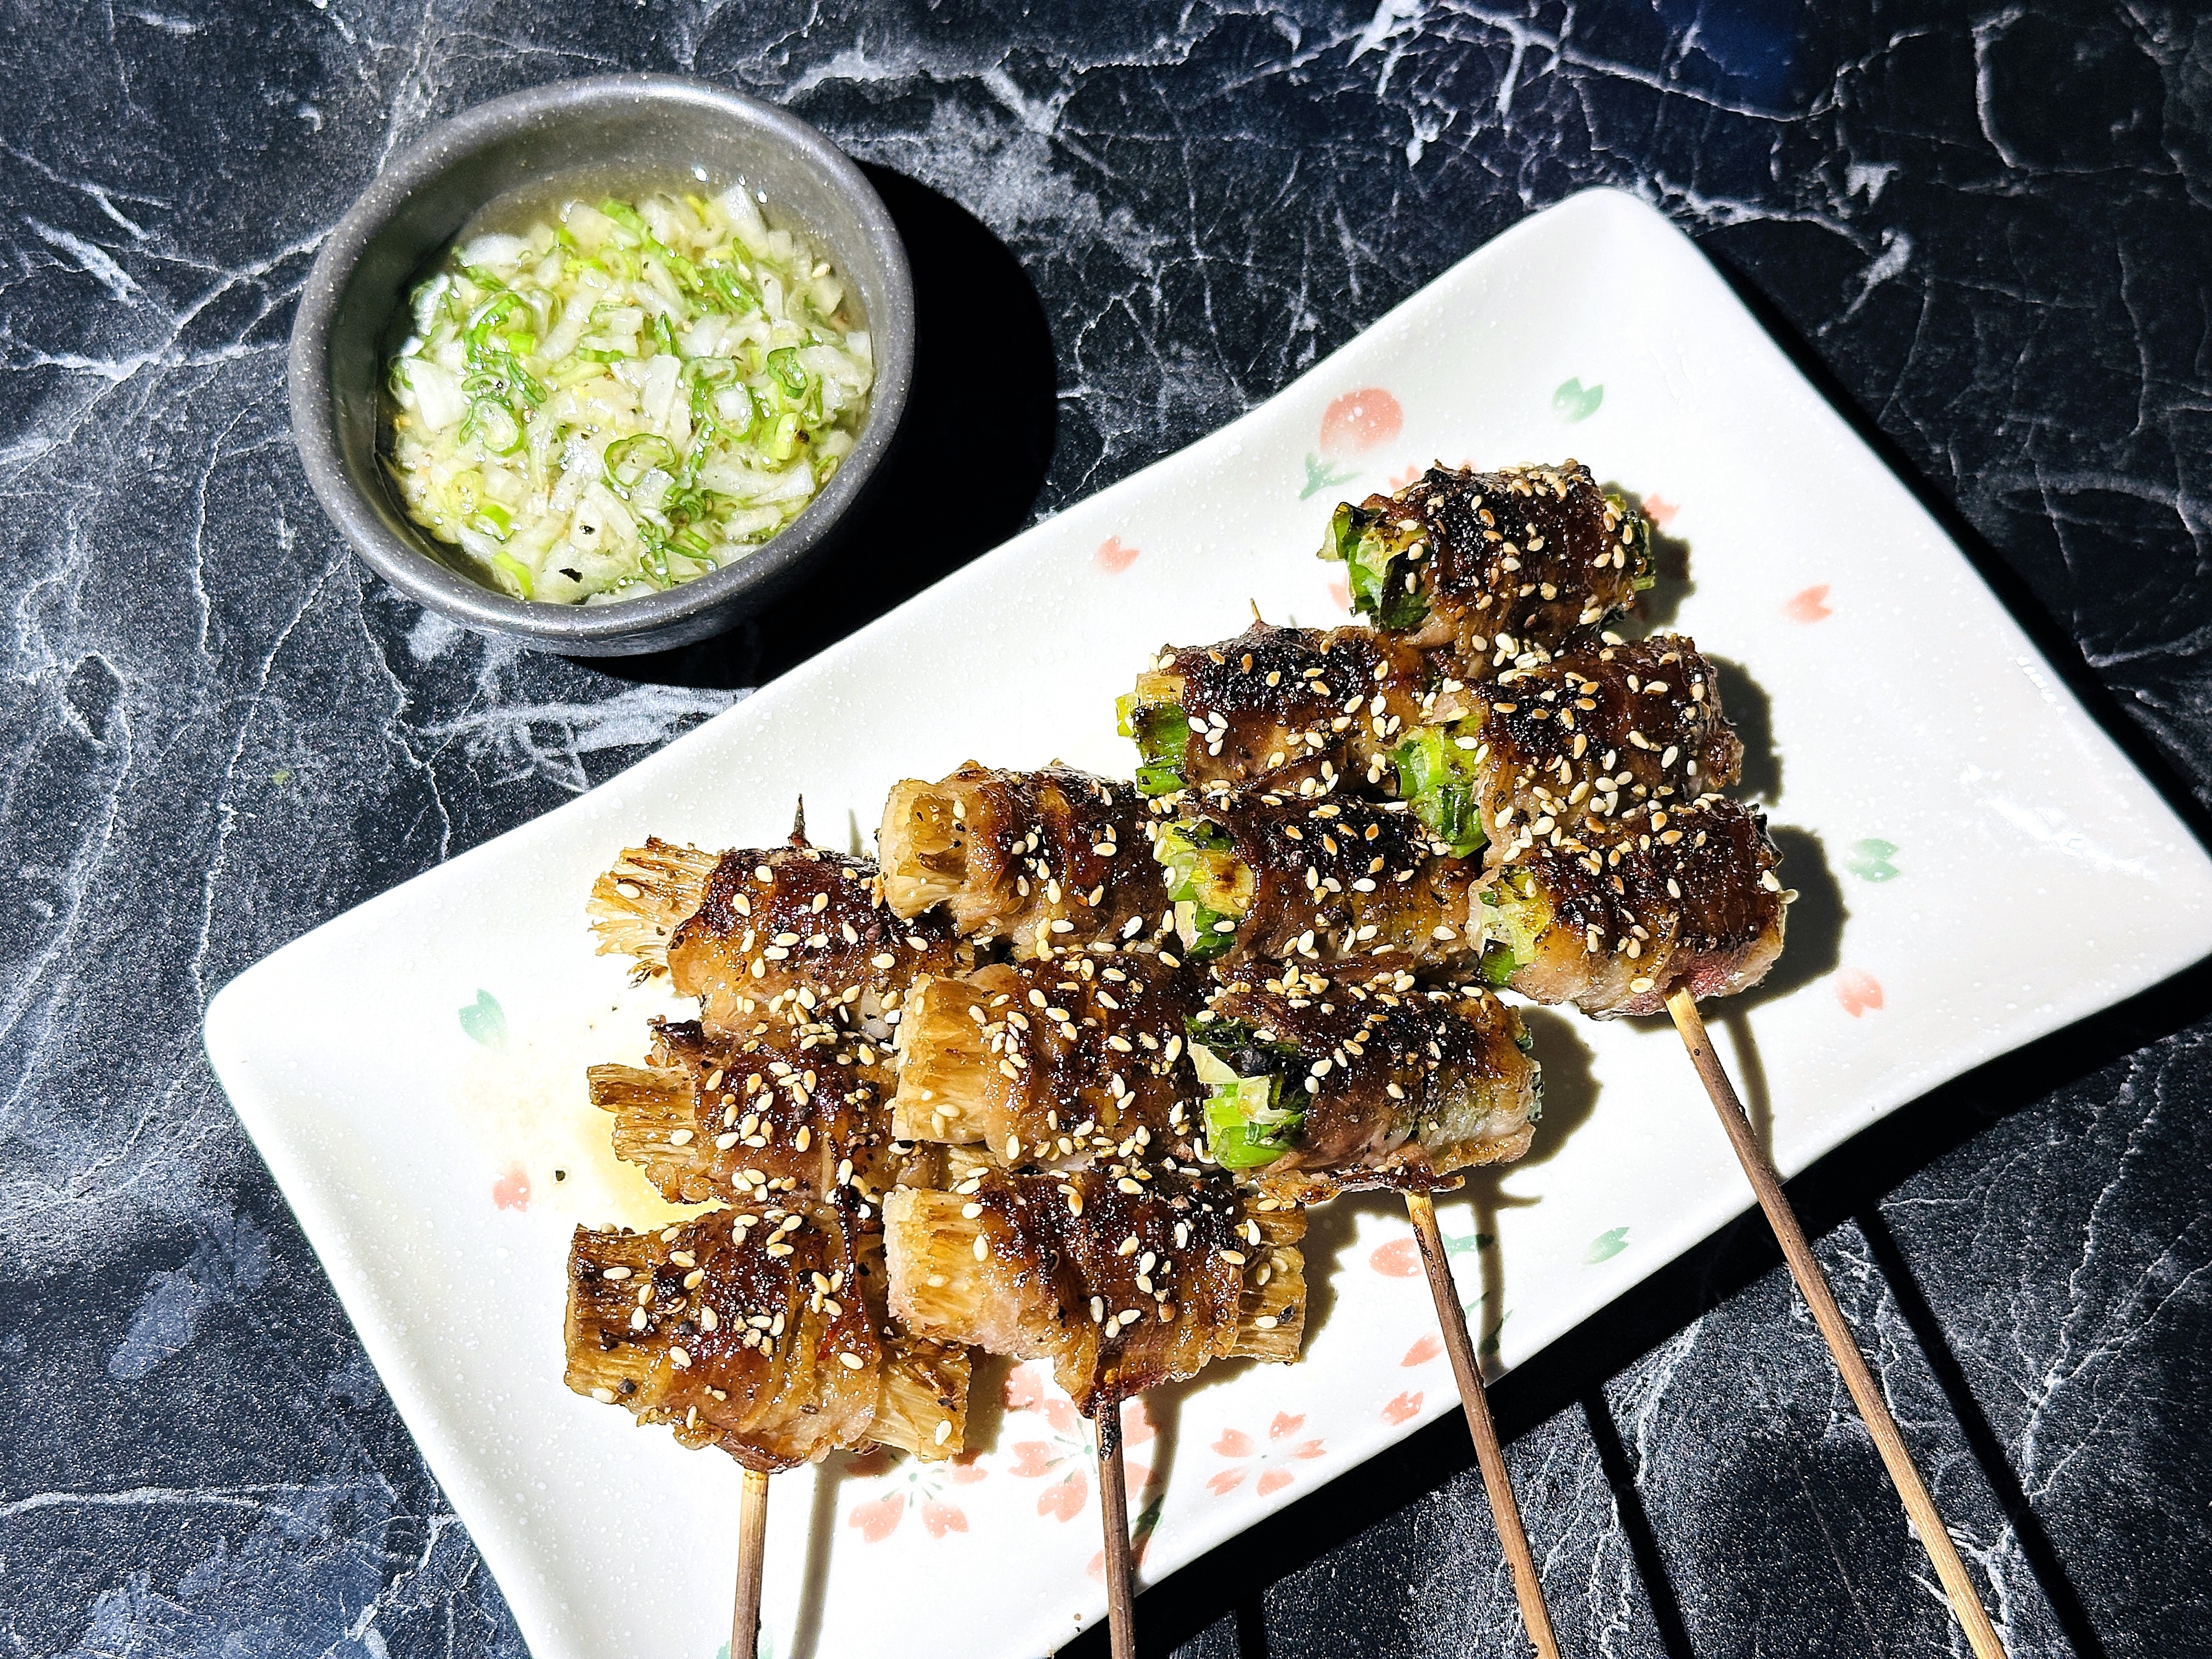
(519, 156)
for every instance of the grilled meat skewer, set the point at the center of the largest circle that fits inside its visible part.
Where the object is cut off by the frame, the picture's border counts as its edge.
(1318, 1087)
(1074, 1059)
(722, 1329)
(1124, 1277)
(1612, 918)
(1491, 568)
(794, 932)
(1050, 860)
(1275, 874)
(784, 1116)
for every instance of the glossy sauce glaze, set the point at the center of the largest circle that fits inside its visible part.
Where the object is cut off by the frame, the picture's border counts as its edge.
(1048, 860)
(1396, 1085)
(1072, 1059)
(801, 934)
(1681, 895)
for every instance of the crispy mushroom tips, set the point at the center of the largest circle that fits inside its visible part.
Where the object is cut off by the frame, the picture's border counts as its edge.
(1120, 1291)
(945, 1080)
(1049, 860)
(923, 847)
(924, 1405)
(649, 893)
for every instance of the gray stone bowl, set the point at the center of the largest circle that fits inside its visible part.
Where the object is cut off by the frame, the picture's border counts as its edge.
(627, 133)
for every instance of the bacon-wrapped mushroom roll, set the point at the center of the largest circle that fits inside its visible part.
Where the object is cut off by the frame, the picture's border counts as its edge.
(1124, 1277)
(1601, 729)
(1612, 918)
(1317, 1087)
(1074, 1059)
(1342, 701)
(1495, 566)
(1273, 875)
(781, 1115)
(1050, 859)
(797, 932)
(760, 1332)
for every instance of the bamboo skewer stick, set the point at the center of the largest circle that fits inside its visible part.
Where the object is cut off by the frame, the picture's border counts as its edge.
(1813, 1284)
(1505, 1511)
(1114, 1509)
(752, 1544)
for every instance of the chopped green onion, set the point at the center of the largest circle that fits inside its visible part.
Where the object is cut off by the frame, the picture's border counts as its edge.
(1163, 735)
(629, 459)
(1440, 782)
(1643, 568)
(1514, 916)
(613, 397)
(1368, 544)
(1208, 883)
(1246, 1122)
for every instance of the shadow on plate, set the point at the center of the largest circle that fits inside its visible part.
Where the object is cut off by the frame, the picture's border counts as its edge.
(971, 456)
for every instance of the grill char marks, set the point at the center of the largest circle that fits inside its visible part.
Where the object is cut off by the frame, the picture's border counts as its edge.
(797, 933)
(1050, 859)
(1273, 697)
(1075, 1059)
(1686, 896)
(1603, 729)
(1399, 1087)
(1200, 1271)
(1340, 880)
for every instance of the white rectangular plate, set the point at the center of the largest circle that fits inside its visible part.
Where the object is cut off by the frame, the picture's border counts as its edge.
(2003, 869)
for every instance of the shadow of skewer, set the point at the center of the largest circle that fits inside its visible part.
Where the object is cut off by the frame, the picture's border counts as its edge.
(1981, 1440)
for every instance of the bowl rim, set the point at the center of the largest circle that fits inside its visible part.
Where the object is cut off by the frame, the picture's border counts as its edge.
(653, 616)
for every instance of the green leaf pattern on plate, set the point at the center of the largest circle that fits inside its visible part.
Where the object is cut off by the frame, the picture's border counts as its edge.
(485, 1021)
(1573, 401)
(1324, 475)
(1869, 860)
(1606, 1245)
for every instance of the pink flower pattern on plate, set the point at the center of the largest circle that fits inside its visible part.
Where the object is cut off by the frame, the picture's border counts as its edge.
(1268, 1457)
(1809, 606)
(1068, 1453)
(1406, 1407)
(917, 1488)
(1858, 991)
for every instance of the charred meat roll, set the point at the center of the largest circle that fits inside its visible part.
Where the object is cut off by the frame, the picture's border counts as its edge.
(1273, 875)
(1232, 713)
(1121, 1282)
(1601, 729)
(1612, 918)
(802, 935)
(760, 1332)
(1077, 1058)
(1050, 859)
(782, 1115)
(1495, 567)
(1316, 1087)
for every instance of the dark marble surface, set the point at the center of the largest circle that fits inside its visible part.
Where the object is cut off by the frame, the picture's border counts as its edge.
(1986, 229)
